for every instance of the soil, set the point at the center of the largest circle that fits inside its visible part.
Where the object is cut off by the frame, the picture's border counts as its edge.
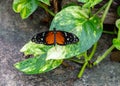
(15, 32)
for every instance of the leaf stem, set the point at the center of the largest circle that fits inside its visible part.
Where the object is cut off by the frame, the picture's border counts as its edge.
(100, 58)
(118, 34)
(110, 32)
(82, 69)
(106, 11)
(93, 51)
(46, 9)
(77, 61)
(103, 7)
(84, 65)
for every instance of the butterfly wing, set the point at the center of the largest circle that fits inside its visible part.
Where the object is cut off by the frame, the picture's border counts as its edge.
(53, 37)
(46, 38)
(64, 38)
(50, 38)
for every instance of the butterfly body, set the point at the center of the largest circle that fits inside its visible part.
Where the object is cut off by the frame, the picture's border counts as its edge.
(55, 37)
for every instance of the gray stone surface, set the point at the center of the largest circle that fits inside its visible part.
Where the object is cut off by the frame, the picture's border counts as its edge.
(15, 32)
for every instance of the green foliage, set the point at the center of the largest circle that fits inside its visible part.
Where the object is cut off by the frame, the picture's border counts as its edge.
(87, 29)
(35, 49)
(47, 2)
(118, 24)
(70, 4)
(27, 7)
(116, 43)
(118, 10)
(89, 3)
(37, 65)
(75, 19)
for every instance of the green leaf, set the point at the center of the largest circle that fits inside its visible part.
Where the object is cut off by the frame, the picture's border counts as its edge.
(118, 26)
(35, 49)
(116, 43)
(74, 19)
(57, 52)
(118, 23)
(45, 1)
(77, 22)
(52, 52)
(70, 4)
(89, 3)
(118, 10)
(37, 65)
(25, 7)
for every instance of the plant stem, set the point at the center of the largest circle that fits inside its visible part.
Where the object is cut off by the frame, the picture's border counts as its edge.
(100, 58)
(103, 7)
(87, 59)
(118, 34)
(85, 56)
(82, 70)
(109, 32)
(76, 60)
(84, 66)
(46, 9)
(106, 11)
(93, 51)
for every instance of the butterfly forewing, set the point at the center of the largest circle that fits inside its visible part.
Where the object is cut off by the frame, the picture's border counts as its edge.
(64, 38)
(40, 38)
(50, 38)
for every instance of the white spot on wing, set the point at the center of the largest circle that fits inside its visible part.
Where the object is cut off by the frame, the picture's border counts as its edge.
(65, 33)
(67, 39)
(41, 39)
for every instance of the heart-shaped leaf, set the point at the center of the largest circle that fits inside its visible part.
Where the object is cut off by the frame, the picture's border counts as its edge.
(87, 29)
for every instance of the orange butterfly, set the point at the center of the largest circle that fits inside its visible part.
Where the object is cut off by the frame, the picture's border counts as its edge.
(55, 37)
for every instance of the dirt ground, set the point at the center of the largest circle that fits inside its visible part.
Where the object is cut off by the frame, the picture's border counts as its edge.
(15, 32)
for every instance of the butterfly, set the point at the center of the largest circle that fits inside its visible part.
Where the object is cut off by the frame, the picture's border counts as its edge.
(55, 37)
